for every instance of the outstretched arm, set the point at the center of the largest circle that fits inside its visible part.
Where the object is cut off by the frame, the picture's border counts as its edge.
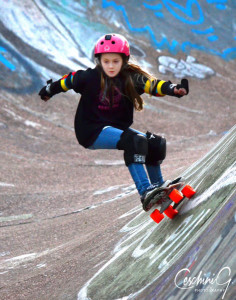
(162, 88)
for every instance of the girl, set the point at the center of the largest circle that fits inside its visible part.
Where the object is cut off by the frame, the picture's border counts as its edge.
(109, 95)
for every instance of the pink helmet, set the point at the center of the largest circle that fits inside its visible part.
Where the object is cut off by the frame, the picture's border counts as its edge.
(112, 43)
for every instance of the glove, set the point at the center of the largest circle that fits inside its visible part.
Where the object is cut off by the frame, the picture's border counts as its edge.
(183, 84)
(45, 93)
(169, 88)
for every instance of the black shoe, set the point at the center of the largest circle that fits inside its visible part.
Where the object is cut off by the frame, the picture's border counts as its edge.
(153, 194)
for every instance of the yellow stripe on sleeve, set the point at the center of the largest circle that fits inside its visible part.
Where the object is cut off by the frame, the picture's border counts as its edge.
(147, 87)
(63, 85)
(159, 85)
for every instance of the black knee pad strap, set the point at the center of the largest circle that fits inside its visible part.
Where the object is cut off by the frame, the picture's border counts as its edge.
(156, 149)
(135, 147)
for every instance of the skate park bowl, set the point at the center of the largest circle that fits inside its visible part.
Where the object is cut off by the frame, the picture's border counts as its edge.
(72, 225)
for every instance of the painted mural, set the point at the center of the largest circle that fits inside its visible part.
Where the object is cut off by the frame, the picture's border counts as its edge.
(41, 39)
(182, 25)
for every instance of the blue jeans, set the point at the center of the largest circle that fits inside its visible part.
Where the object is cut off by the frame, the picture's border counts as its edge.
(108, 139)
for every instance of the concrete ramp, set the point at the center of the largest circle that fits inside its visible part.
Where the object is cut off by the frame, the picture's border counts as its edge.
(190, 257)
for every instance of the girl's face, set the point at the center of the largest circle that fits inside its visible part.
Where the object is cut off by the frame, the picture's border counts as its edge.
(111, 63)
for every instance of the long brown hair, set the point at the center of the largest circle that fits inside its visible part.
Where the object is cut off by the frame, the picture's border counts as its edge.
(128, 68)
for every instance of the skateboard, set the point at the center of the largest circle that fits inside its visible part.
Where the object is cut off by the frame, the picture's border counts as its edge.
(170, 199)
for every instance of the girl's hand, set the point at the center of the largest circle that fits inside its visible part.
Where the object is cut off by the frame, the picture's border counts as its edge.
(45, 91)
(44, 94)
(180, 92)
(181, 89)
(46, 98)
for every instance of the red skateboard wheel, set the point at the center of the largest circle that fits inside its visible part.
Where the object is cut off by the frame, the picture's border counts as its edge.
(157, 216)
(176, 196)
(188, 191)
(171, 212)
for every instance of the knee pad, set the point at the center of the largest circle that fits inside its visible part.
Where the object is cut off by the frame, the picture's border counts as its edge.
(135, 147)
(156, 149)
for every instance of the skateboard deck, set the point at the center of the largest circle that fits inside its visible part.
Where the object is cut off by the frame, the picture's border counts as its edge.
(171, 199)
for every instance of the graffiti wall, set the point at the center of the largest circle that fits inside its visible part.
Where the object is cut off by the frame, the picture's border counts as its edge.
(41, 39)
(207, 26)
